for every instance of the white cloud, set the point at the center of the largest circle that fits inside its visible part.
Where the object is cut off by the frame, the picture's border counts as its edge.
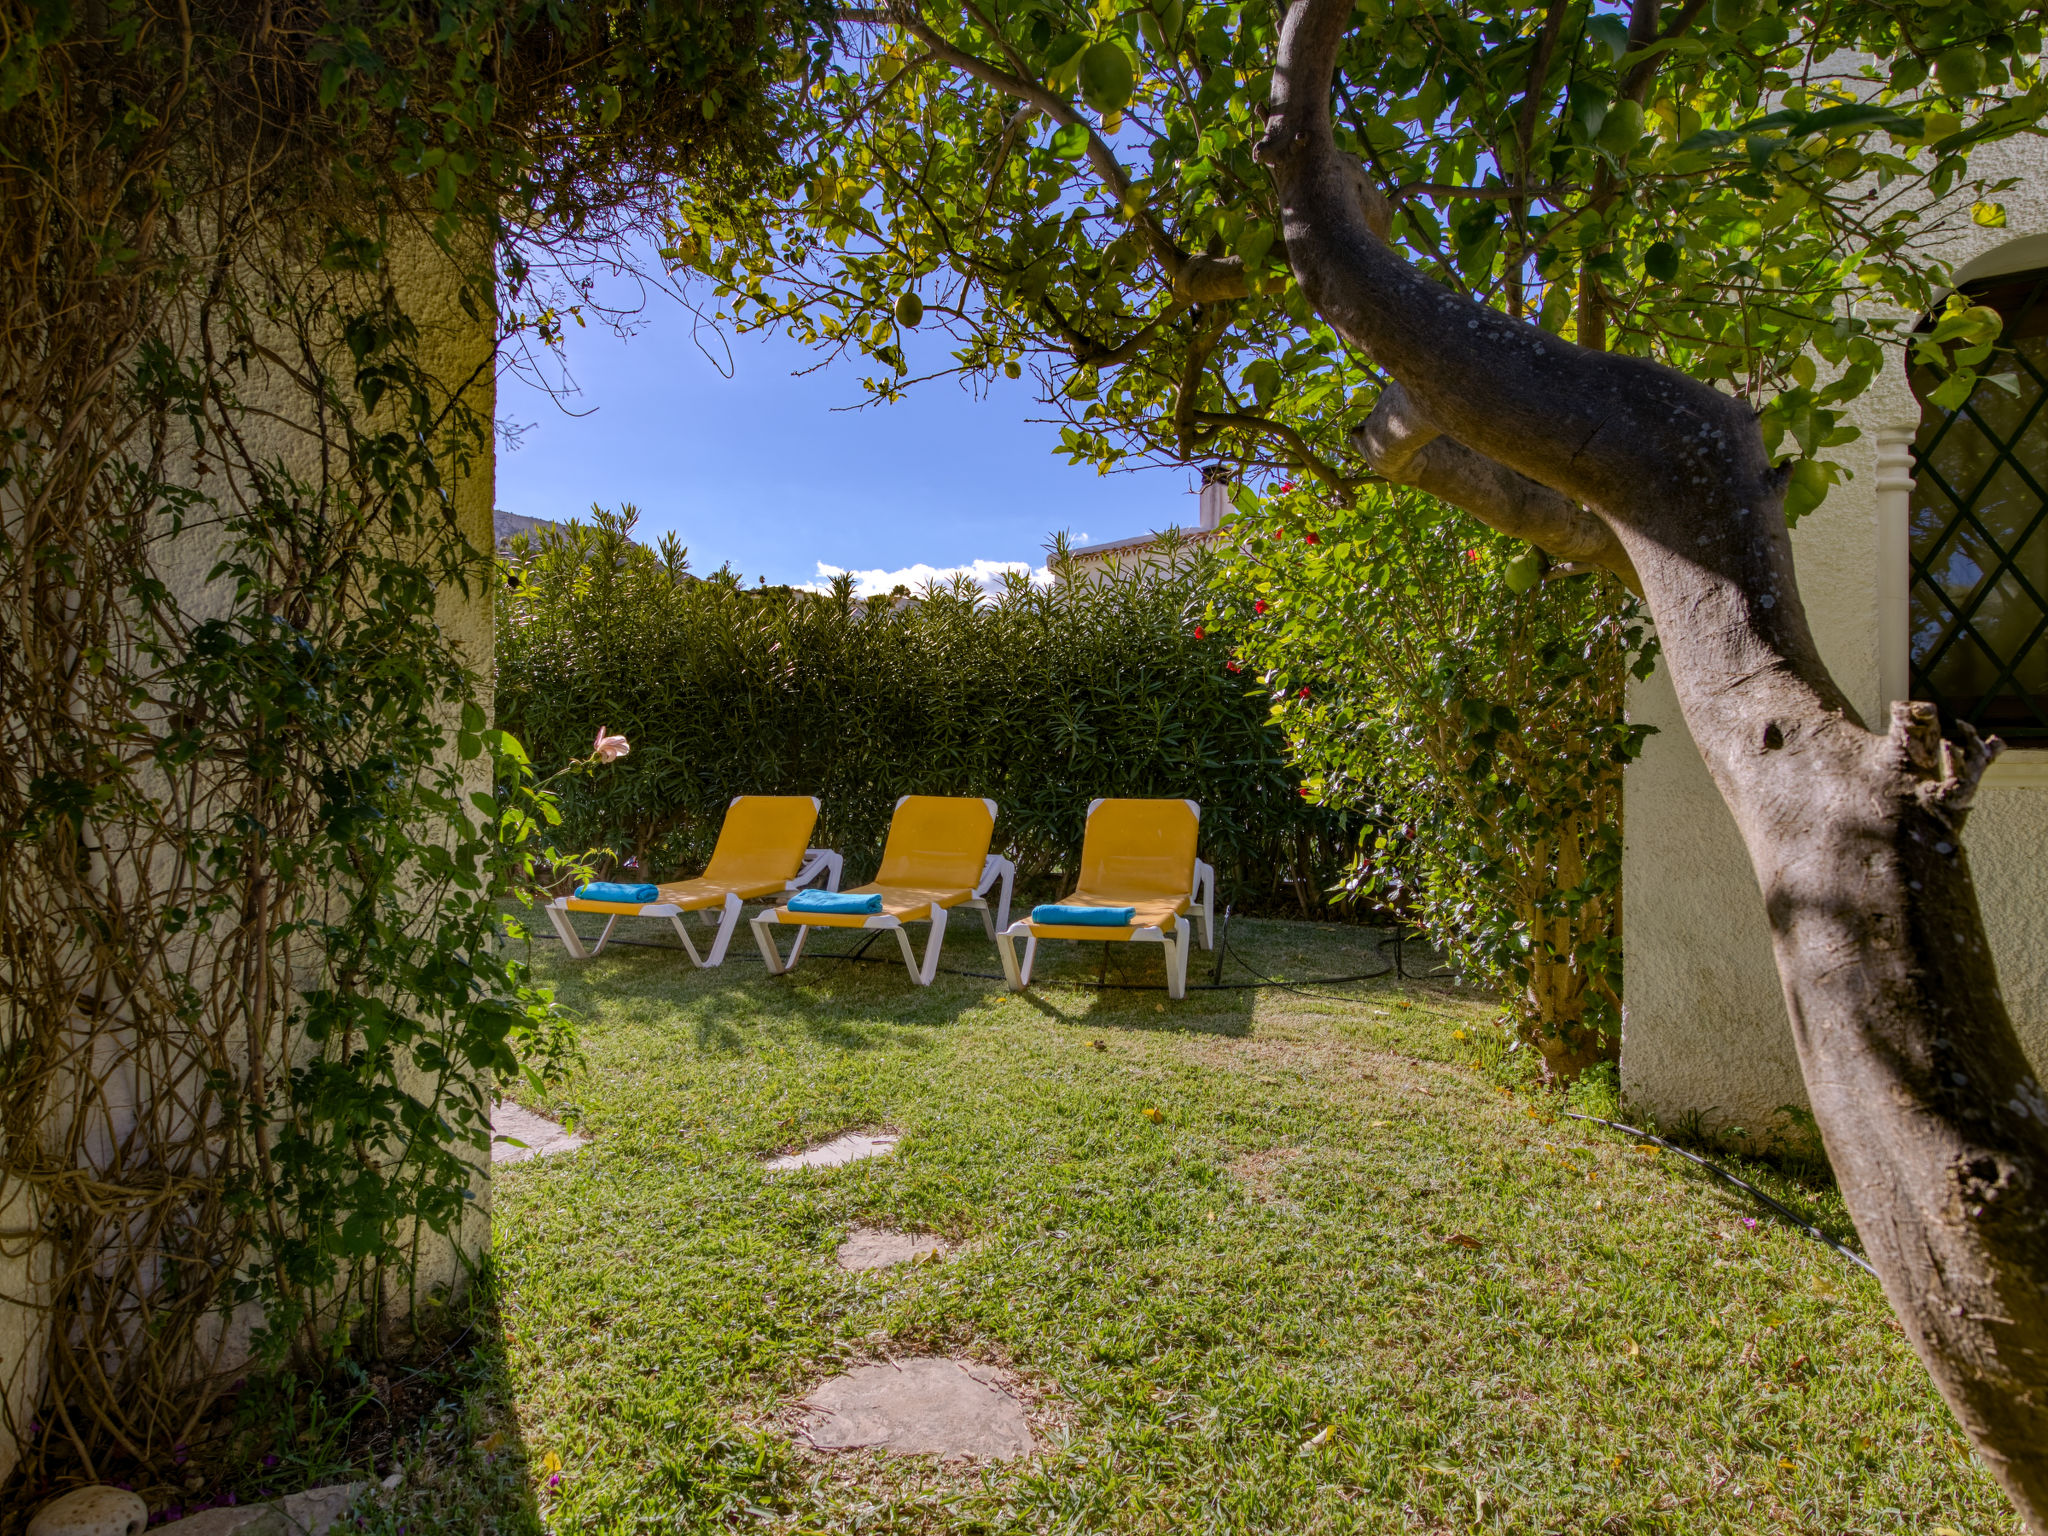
(879, 583)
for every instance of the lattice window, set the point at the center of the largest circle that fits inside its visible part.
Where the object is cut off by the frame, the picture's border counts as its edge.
(1980, 530)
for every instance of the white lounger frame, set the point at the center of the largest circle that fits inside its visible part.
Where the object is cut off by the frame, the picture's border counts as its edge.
(726, 916)
(993, 870)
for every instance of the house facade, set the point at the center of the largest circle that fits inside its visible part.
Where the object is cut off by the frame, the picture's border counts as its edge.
(1924, 577)
(1091, 560)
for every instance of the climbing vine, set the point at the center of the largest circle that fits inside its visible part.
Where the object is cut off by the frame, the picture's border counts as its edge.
(259, 264)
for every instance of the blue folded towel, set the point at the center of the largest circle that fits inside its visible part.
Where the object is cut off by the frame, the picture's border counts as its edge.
(836, 903)
(607, 890)
(1084, 917)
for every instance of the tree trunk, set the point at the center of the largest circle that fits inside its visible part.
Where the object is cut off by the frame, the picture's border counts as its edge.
(1935, 1123)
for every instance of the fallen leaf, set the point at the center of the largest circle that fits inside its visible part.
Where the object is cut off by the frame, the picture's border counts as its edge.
(492, 1442)
(1461, 1240)
(1153, 1114)
(1098, 1045)
(550, 1463)
(1320, 1437)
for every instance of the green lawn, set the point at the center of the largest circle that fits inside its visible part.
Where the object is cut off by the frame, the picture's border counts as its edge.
(1346, 1280)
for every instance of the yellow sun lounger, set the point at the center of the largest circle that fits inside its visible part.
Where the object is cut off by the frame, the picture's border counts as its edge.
(936, 859)
(1138, 854)
(760, 854)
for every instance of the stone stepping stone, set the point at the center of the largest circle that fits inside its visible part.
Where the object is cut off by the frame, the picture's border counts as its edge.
(95, 1511)
(837, 1152)
(311, 1513)
(872, 1248)
(542, 1136)
(925, 1407)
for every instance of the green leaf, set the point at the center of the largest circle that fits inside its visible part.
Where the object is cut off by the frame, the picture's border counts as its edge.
(1070, 142)
(1264, 378)
(1807, 487)
(1609, 33)
(1953, 391)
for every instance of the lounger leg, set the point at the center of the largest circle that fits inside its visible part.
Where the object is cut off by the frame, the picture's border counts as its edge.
(565, 930)
(909, 955)
(683, 932)
(988, 918)
(726, 925)
(1178, 943)
(922, 975)
(1206, 879)
(764, 935)
(764, 928)
(609, 924)
(1006, 951)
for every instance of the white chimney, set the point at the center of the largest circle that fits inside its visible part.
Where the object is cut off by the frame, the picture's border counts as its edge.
(1215, 498)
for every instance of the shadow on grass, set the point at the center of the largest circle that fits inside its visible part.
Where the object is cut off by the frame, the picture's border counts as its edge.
(851, 992)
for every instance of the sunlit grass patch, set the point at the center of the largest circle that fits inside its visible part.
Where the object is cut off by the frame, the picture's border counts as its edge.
(1275, 1260)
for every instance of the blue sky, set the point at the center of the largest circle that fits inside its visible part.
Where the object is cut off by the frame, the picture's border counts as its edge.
(761, 470)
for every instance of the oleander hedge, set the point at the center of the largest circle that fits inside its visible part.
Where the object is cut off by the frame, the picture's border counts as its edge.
(1039, 698)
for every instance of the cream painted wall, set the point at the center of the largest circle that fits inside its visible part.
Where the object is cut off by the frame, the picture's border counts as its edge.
(1704, 1028)
(456, 349)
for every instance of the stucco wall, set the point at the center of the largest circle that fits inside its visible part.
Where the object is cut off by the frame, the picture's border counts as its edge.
(1704, 1029)
(455, 348)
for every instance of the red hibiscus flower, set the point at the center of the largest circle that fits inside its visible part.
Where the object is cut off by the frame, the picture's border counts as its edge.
(1200, 633)
(1304, 693)
(1313, 539)
(1259, 606)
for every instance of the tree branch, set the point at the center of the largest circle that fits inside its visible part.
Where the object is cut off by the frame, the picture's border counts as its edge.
(1195, 280)
(1202, 339)
(1406, 447)
(1294, 442)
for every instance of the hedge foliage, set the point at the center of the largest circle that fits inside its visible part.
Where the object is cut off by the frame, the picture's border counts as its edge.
(1429, 679)
(1039, 698)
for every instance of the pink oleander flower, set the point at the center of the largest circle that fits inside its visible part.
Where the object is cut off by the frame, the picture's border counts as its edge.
(609, 749)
